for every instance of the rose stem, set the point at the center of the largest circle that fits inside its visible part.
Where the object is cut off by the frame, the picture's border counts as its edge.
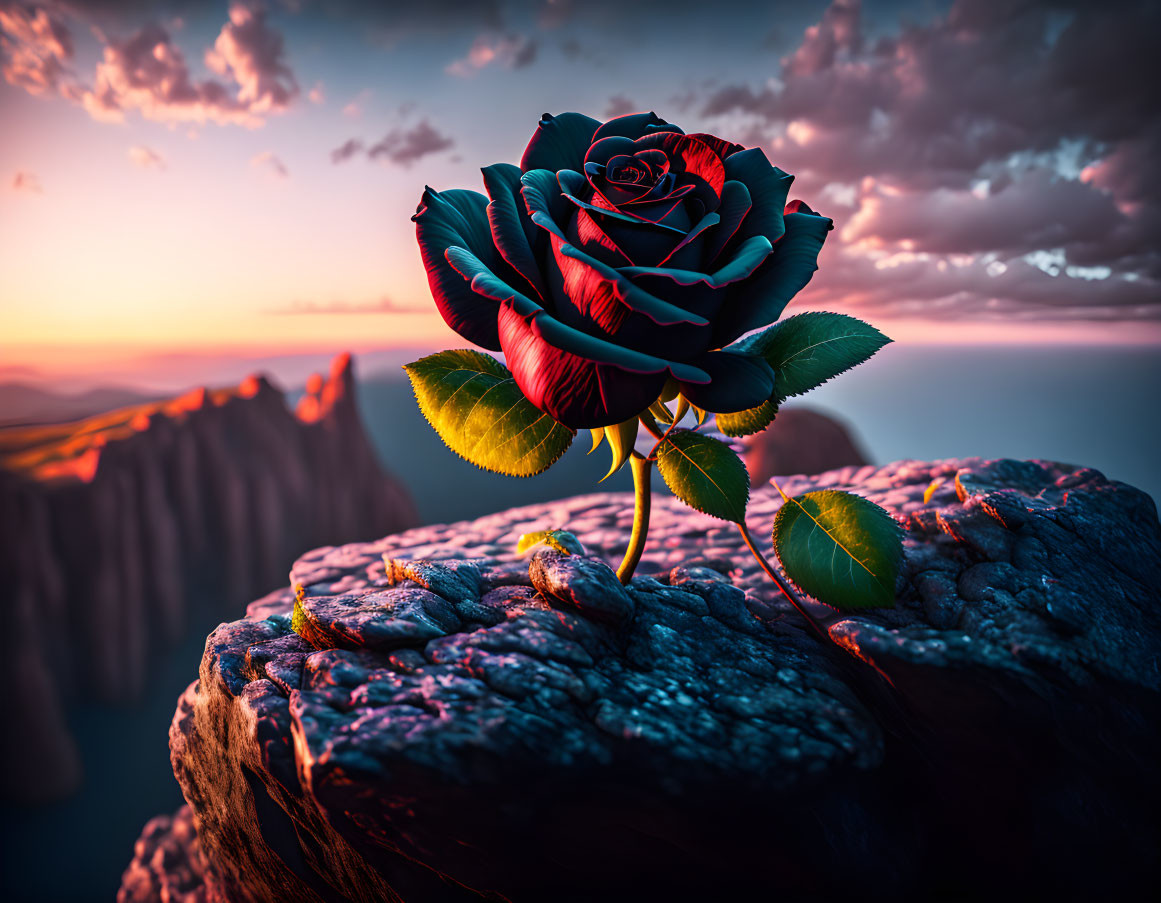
(787, 590)
(642, 467)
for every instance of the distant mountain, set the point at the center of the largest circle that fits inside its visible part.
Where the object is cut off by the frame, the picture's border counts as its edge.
(22, 402)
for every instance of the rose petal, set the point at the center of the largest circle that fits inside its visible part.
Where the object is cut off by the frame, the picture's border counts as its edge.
(707, 221)
(513, 233)
(767, 185)
(576, 390)
(546, 206)
(559, 142)
(737, 382)
(584, 232)
(701, 293)
(760, 300)
(634, 125)
(690, 155)
(449, 219)
(720, 146)
(733, 210)
(596, 299)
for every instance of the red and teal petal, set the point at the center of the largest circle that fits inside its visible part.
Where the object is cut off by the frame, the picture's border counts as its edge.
(737, 382)
(634, 125)
(513, 232)
(559, 142)
(735, 206)
(597, 299)
(760, 300)
(768, 186)
(449, 219)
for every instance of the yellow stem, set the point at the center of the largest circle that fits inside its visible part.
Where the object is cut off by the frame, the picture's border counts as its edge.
(642, 467)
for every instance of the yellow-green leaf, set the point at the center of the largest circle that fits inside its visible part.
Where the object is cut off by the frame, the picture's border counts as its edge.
(474, 404)
(561, 540)
(746, 423)
(839, 548)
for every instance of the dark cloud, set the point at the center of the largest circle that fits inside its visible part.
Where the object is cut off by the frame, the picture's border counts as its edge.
(619, 105)
(405, 146)
(346, 150)
(997, 130)
(401, 146)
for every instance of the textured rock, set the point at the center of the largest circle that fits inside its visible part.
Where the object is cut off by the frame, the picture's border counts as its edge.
(692, 740)
(111, 525)
(801, 440)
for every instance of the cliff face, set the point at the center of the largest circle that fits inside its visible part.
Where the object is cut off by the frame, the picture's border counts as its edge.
(114, 525)
(445, 722)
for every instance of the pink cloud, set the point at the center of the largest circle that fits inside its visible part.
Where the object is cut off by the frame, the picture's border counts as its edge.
(270, 163)
(26, 181)
(508, 51)
(148, 73)
(146, 158)
(36, 49)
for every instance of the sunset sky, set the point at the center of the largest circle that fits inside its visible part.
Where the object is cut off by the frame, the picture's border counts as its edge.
(210, 176)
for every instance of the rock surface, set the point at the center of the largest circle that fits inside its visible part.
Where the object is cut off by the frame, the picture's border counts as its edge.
(112, 525)
(452, 727)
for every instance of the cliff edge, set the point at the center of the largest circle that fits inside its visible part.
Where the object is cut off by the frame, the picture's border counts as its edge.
(114, 526)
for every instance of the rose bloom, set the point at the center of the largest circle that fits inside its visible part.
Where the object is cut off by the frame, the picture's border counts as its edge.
(618, 261)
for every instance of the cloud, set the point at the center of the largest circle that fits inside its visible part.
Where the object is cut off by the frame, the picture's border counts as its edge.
(401, 146)
(995, 131)
(346, 150)
(619, 105)
(26, 181)
(147, 72)
(384, 305)
(36, 49)
(508, 51)
(269, 162)
(144, 158)
(317, 94)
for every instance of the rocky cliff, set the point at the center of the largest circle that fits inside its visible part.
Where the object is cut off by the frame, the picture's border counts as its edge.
(427, 718)
(115, 525)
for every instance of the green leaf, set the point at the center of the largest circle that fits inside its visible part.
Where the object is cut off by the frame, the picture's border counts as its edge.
(474, 404)
(839, 548)
(808, 349)
(748, 422)
(705, 474)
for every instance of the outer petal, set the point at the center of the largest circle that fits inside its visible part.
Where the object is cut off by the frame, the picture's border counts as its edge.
(634, 125)
(513, 233)
(760, 300)
(767, 185)
(449, 219)
(559, 142)
(546, 206)
(735, 206)
(737, 382)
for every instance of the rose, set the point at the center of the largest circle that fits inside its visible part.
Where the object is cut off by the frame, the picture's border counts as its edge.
(618, 261)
